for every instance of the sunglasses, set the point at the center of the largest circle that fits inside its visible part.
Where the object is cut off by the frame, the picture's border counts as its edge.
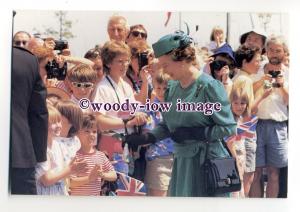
(137, 33)
(83, 84)
(18, 43)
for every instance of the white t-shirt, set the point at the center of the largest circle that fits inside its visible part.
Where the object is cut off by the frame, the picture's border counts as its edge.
(273, 107)
(105, 93)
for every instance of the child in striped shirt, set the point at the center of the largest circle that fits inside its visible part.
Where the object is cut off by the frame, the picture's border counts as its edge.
(99, 167)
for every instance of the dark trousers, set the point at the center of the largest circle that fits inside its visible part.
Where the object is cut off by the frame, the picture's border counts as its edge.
(283, 182)
(23, 181)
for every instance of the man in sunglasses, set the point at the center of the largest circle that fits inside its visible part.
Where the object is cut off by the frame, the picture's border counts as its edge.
(136, 33)
(21, 39)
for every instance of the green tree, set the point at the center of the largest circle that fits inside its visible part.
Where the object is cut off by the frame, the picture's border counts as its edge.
(64, 30)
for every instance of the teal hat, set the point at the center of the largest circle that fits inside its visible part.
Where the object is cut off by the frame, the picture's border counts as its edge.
(167, 43)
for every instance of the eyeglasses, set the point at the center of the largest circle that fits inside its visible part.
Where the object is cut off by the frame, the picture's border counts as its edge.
(18, 43)
(137, 33)
(83, 84)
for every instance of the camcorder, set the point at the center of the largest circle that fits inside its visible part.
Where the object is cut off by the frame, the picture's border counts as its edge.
(54, 71)
(142, 59)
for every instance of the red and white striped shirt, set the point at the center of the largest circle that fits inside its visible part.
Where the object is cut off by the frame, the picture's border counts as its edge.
(91, 188)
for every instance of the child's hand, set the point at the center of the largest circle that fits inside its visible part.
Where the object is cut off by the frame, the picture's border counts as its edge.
(78, 166)
(94, 173)
(100, 172)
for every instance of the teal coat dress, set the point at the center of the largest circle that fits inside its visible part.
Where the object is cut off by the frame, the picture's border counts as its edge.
(186, 179)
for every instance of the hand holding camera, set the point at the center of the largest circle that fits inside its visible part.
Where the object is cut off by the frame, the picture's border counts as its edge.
(275, 78)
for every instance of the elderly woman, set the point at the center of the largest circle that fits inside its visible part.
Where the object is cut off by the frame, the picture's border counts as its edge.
(189, 130)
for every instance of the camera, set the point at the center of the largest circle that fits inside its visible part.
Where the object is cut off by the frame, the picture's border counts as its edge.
(268, 84)
(274, 74)
(60, 45)
(217, 65)
(53, 70)
(142, 59)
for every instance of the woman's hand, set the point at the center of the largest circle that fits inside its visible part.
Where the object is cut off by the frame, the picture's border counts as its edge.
(49, 43)
(138, 120)
(144, 74)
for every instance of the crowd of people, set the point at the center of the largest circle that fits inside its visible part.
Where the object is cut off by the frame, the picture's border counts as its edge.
(59, 147)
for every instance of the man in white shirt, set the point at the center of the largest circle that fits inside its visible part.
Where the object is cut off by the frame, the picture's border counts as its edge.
(272, 138)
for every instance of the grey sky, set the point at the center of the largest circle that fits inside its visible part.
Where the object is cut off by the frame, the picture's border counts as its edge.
(89, 27)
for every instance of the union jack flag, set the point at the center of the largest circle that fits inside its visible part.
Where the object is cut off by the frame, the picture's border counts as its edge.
(128, 186)
(245, 130)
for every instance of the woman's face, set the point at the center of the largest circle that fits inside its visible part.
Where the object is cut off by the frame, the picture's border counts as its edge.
(137, 34)
(238, 107)
(253, 65)
(118, 67)
(98, 67)
(135, 64)
(254, 40)
(218, 35)
(170, 67)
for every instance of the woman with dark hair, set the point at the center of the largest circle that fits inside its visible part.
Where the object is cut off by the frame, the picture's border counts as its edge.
(137, 32)
(247, 60)
(137, 76)
(192, 131)
(222, 66)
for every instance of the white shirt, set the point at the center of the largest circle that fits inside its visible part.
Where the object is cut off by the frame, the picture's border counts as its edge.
(55, 163)
(273, 107)
(105, 93)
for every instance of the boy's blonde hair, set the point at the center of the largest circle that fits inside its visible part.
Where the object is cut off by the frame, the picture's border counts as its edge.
(82, 73)
(242, 88)
(54, 115)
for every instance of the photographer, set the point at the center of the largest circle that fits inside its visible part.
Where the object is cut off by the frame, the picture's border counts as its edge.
(222, 65)
(137, 76)
(54, 66)
(272, 136)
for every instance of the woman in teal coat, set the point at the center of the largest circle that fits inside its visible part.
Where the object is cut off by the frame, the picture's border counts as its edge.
(209, 118)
